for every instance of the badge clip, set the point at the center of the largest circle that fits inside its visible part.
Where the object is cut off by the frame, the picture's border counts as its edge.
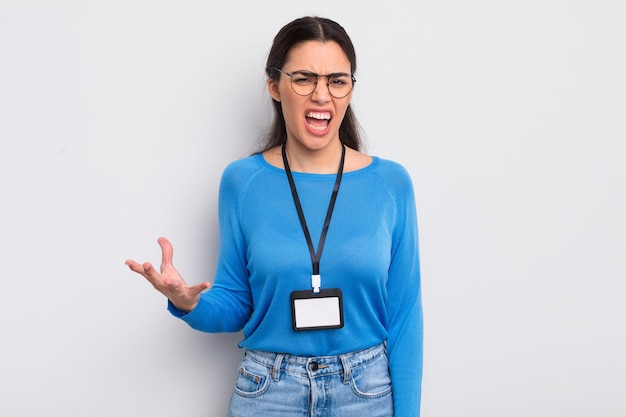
(316, 283)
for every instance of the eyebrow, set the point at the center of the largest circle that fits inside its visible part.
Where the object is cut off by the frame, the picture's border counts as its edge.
(332, 74)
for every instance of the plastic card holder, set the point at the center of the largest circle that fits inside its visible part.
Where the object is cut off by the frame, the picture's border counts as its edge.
(317, 311)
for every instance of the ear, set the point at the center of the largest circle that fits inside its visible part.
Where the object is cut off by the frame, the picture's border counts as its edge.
(272, 87)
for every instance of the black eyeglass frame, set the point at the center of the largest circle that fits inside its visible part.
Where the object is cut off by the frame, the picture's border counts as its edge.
(317, 76)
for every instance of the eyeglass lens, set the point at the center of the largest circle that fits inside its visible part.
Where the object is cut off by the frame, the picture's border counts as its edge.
(304, 83)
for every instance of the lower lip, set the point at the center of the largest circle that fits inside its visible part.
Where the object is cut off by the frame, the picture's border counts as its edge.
(315, 130)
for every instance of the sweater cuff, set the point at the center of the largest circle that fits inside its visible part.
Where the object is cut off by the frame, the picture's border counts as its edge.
(195, 318)
(176, 312)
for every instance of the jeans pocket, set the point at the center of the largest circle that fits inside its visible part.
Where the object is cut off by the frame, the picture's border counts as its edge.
(372, 379)
(253, 378)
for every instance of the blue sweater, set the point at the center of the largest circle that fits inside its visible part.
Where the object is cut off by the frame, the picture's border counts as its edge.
(370, 253)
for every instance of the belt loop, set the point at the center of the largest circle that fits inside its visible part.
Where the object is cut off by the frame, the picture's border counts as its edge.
(276, 367)
(347, 370)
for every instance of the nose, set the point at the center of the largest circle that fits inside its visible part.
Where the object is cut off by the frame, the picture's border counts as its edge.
(321, 93)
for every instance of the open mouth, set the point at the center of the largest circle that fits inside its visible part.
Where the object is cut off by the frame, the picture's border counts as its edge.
(318, 121)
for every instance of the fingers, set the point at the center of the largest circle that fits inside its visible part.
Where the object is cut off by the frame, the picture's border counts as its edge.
(167, 252)
(167, 280)
(144, 269)
(134, 266)
(151, 274)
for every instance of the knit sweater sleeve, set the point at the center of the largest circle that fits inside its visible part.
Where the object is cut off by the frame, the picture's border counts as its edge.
(404, 306)
(227, 306)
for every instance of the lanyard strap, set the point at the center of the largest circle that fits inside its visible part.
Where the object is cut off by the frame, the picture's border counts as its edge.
(315, 256)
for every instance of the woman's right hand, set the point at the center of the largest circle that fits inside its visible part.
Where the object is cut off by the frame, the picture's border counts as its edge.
(169, 282)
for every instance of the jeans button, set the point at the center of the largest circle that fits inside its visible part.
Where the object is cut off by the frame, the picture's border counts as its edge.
(314, 366)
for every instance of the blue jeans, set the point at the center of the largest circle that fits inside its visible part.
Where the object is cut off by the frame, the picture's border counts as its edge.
(355, 384)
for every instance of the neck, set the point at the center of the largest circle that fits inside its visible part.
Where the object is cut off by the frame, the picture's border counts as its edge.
(318, 161)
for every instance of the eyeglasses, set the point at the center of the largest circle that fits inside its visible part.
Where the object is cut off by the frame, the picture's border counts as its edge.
(304, 83)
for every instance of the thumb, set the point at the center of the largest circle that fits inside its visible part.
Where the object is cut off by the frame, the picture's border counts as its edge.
(198, 288)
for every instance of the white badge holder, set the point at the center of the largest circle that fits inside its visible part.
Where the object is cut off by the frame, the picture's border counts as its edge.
(319, 310)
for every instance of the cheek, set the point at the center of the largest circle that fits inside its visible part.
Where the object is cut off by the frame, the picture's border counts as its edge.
(288, 112)
(291, 109)
(341, 111)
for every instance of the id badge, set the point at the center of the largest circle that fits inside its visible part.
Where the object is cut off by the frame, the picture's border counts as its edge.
(317, 311)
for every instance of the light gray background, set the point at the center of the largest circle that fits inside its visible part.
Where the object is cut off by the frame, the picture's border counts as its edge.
(117, 119)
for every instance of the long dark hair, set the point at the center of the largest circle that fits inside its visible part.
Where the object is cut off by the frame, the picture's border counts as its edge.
(300, 30)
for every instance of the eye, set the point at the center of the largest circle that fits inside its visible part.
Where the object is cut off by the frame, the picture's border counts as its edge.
(303, 78)
(339, 81)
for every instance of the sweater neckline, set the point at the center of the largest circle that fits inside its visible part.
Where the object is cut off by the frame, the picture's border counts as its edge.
(259, 157)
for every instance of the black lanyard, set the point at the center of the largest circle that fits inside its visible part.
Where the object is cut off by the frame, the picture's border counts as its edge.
(315, 257)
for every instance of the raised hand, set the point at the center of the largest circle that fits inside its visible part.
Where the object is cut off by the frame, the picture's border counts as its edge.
(169, 282)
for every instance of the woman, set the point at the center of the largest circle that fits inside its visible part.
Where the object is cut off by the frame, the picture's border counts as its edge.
(318, 257)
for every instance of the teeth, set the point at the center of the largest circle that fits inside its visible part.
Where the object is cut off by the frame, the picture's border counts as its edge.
(318, 128)
(319, 116)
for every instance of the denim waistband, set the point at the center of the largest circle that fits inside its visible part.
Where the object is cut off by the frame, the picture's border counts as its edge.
(316, 366)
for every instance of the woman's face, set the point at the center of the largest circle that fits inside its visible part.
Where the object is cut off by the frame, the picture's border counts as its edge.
(312, 121)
